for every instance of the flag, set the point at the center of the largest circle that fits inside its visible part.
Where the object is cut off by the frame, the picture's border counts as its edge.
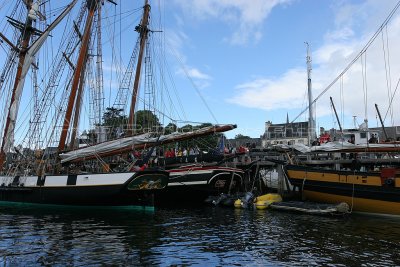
(221, 146)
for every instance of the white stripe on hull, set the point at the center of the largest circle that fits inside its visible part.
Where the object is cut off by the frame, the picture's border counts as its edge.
(189, 172)
(187, 183)
(81, 180)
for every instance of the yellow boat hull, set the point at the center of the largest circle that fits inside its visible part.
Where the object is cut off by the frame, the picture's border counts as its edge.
(363, 191)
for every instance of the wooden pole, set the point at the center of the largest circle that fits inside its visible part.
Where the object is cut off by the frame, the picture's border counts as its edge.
(77, 74)
(143, 31)
(22, 53)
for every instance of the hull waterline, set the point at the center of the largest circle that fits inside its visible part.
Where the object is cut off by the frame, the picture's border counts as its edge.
(363, 191)
(111, 189)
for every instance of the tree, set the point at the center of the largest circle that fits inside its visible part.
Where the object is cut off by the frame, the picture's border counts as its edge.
(117, 123)
(170, 128)
(186, 128)
(113, 117)
(204, 142)
(146, 121)
(114, 121)
(241, 136)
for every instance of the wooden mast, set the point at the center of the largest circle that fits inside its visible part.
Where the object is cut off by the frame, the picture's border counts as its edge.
(78, 104)
(26, 36)
(78, 72)
(143, 31)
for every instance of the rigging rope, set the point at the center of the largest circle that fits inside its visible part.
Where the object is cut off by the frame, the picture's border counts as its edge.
(388, 76)
(341, 100)
(391, 99)
(363, 50)
(194, 85)
(364, 84)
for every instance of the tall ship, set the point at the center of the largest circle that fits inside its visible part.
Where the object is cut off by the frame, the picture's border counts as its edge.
(65, 147)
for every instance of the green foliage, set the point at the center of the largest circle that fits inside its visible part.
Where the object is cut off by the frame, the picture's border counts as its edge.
(114, 121)
(186, 128)
(170, 128)
(241, 136)
(203, 143)
(113, 117)
(147, 121)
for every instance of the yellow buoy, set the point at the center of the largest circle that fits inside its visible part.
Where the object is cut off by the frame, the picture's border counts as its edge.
(270, 197)
(238, 203)
(263, 202)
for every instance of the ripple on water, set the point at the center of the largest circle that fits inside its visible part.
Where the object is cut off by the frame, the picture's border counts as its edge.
(202, 236)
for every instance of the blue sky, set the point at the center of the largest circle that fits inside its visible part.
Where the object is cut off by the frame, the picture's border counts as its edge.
(247, 59)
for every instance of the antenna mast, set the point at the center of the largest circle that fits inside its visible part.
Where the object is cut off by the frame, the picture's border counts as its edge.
(311, 122)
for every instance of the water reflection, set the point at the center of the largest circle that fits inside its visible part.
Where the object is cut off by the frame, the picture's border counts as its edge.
(199, 236)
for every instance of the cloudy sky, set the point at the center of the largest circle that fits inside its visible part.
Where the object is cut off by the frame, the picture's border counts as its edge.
(248, 59)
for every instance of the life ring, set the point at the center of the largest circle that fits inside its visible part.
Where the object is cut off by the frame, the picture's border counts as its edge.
(389, 181)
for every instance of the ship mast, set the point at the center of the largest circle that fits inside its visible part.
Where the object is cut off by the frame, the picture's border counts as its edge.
(80, 67)
(143, 30)
(26, 55)
(78, 105)
(311, 122)
(10, 122)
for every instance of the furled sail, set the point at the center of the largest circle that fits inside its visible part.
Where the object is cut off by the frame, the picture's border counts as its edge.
(127, 144)
(342, 147)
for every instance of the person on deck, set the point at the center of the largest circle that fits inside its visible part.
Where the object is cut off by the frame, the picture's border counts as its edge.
(179, 154)
(373, 139)
(352, 139)
(242, 150)
(167, 154)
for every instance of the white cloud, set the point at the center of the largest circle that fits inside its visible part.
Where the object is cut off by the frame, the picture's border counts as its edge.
(341, 34)
(244, 17)
(175, 40)
(285, 92)
(360, 87)
(197, 74)
(200, 79)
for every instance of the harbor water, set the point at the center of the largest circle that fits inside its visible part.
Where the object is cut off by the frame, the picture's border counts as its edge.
(201, 236)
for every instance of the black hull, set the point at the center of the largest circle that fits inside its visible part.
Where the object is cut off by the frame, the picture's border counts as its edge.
(194, 187)
(77, 196)
(96, 195)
